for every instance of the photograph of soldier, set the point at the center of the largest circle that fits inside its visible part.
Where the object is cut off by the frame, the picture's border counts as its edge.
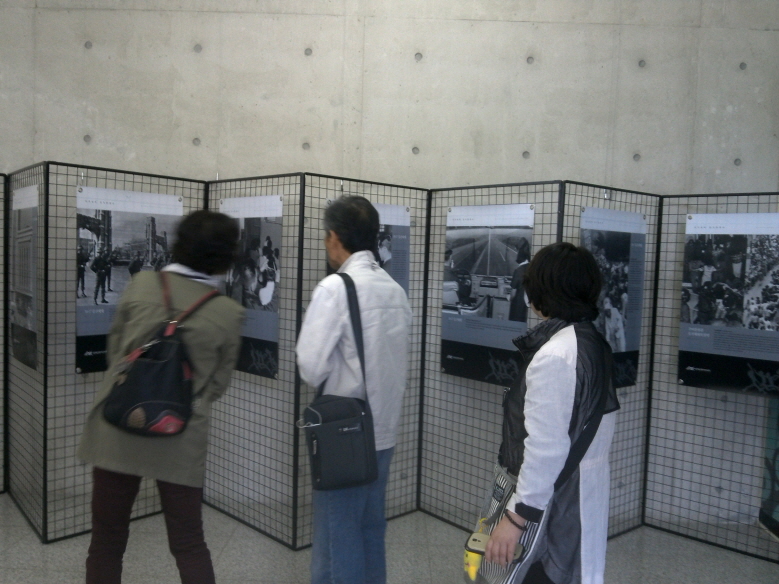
(82, 259)
(480, 265)
(253, 280)
(114, 245)
(721, 279)
(611, 250)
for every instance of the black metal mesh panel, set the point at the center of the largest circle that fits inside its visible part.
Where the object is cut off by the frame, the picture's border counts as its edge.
(402, 486)
(3, 216)
(249, 470)
(462, 418)
(706, 447)
(70, 394)
(26, 412)
(629, 445)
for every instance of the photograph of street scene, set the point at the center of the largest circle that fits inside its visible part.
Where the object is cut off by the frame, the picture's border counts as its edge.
(115, 245)
(483, 270)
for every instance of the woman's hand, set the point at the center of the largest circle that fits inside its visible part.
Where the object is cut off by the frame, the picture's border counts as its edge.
(503, 541)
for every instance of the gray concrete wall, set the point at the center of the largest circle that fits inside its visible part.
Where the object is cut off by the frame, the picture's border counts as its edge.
(448, 77)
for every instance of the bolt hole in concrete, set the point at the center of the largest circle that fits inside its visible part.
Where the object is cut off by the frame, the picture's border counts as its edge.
(418, 56)
(737, 162)
(306, 146)
(636, 157)
(88, 45)
(87, 138)
(530, 60)
(198, 48)
(642, 63)
(196, 141)
(526, 155)
(742, 66)
(308, 52)
(415, 150)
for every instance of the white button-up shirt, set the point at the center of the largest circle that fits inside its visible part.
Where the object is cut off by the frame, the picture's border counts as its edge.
(326, 349)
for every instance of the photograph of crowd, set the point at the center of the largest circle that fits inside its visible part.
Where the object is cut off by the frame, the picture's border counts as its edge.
(254, 279)
(611, 250)
(115, 245)
(483, 270)
(722, 275)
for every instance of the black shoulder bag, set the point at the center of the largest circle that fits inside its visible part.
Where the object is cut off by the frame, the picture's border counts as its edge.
(339, 430)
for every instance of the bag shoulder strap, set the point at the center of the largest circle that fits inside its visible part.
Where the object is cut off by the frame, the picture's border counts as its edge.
(175, 321)
(354, 313)
(579, 448)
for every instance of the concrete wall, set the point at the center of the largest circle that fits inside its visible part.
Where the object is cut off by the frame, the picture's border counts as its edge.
(448, 77)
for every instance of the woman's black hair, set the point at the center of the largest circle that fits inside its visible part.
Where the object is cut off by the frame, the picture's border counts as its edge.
(206, 242)
(563, 281)
(355, 221)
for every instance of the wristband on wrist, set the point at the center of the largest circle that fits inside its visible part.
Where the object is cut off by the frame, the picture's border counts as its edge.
(514, 523)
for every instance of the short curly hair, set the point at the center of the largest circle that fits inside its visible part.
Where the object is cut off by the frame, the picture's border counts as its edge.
(207, 242)
(563, 281)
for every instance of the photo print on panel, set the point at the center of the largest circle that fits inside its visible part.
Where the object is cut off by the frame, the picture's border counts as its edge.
(729, 319)
(120, 233)
(23, 285)
(487, 253)
(617, 239)
(393, 244)
(255, 278)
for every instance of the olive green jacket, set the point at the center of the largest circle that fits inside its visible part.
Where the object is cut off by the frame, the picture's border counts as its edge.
(212, 338)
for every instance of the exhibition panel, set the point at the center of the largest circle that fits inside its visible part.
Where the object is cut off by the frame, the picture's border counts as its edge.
(97, 221)
(249, 470)
(26, 384)
(620, 228)
(4, 365)
(401, 249)
(712, 454)
(472, 258)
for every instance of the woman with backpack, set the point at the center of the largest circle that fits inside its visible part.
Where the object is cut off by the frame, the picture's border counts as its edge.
(205, 248)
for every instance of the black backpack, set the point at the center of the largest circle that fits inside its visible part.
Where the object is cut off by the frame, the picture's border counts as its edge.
(152, 390)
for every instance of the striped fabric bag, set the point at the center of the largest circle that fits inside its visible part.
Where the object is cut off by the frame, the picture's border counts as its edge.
(478, 571)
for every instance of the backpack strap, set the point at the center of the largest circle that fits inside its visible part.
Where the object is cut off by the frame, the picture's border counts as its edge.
(175, 321)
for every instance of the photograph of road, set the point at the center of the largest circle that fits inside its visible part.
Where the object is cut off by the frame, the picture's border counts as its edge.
(483, 269)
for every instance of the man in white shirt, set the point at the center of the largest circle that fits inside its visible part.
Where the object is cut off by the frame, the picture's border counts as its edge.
(349, 524)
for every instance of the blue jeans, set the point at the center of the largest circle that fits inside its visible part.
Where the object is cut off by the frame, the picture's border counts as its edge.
(349, 527)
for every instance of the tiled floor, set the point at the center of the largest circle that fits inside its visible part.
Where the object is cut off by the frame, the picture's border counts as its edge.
(420, 549)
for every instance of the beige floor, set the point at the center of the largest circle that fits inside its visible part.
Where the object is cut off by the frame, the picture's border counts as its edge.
(420, 549)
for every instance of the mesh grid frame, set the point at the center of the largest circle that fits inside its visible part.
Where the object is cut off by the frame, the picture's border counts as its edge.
(26, 411)
(706, 447)
(402, 484)
(59, 505)
(627, 458)
(461, 418)
(3, 340)
(249, 469)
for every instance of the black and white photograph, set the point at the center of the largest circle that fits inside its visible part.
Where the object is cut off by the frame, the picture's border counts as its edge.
(715, 280)
(113, 246)
(487, 251)
(617, 240)
(254, 280)
(118, 234)
(729, 316)
(23, 313)
(483, 269)
(393, 251)
(611, 250)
